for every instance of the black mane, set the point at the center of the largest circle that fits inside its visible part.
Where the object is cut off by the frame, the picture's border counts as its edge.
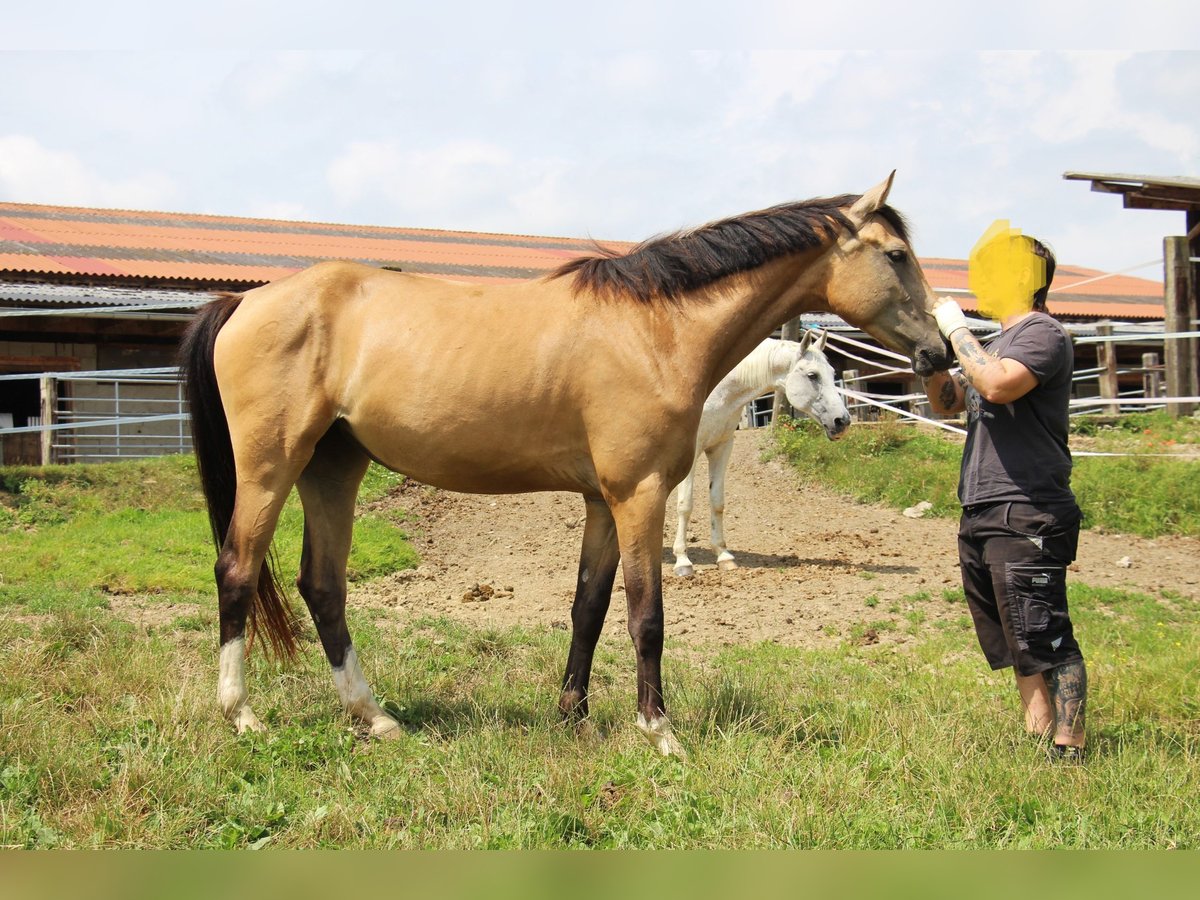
(670, 266)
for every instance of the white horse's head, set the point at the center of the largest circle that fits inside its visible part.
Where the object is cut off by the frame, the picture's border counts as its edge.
(811, 389)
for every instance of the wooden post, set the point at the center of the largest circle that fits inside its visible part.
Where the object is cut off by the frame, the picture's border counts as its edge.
(791, 332)
(1151, 375)
(49, 390)
(1106, 359)
(848, 376)
(1179, 298)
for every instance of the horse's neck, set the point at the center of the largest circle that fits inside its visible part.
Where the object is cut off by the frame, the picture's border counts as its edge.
(732, 321)
(765, 368)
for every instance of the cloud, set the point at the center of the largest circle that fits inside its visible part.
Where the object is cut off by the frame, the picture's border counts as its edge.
(33, 173)
(461, 183)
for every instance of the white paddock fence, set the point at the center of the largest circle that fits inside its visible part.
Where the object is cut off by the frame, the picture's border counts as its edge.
(137, 413)
(1097, 390)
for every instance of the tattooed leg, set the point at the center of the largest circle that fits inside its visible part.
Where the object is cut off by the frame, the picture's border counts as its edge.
(1067, 685)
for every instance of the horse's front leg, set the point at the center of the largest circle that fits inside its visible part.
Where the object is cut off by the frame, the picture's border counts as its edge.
(593, 589)
(639, 528)
(684, 503)
(718, 463)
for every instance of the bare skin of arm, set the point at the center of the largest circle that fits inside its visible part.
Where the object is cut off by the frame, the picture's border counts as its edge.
(997, 379)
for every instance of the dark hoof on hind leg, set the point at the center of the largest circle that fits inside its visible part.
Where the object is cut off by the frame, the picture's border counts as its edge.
(588, 732)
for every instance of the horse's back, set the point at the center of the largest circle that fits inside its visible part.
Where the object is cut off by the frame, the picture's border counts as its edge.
(471, 387)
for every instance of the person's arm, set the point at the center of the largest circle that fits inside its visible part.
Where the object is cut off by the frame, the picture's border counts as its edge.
(998, 380)
(947, 392)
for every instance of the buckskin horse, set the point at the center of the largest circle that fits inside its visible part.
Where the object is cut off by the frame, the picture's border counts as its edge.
(590, 379)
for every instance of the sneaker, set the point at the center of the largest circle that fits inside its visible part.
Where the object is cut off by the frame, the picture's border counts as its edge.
(1064, 753)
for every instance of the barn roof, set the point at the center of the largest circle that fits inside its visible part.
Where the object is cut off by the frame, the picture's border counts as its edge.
(121, 249)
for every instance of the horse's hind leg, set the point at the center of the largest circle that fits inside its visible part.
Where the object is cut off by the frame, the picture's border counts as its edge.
(684, 502)
(593, 589)
(328, 488)
(718, 464)
(239, 572)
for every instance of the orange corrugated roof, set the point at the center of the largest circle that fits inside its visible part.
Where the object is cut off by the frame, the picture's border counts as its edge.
(130, 245)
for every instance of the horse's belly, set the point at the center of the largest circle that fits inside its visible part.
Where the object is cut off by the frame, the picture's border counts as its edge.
(479, 459)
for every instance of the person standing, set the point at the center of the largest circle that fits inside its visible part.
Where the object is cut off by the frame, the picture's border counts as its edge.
(1020, 523)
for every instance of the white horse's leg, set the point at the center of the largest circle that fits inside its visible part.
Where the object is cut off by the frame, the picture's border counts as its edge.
(718, 462)
(684, 503)
(231, 687)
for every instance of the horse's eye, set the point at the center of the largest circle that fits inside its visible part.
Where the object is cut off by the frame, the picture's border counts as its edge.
(814, 377)
(897, 256)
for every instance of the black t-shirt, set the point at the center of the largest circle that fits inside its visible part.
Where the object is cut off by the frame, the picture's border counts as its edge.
(1018, 451)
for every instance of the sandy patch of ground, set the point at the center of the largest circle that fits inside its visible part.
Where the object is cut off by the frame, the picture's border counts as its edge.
(815, 569)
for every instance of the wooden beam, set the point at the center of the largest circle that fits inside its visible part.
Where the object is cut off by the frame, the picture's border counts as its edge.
(1134, 201)
(1104, 187)
(1168, 192)
(789, 332)
(1179, 295)
(1106, 360)
(49, 391)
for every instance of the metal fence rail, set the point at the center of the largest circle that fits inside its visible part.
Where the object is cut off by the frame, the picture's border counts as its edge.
(101, 415)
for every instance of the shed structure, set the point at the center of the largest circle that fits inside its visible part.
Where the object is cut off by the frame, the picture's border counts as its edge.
(1181, 274)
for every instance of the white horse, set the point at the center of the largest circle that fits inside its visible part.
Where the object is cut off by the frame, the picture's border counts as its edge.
(807, 379)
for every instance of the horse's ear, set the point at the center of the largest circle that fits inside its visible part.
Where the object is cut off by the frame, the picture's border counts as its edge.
(820, 345)
(805, 340)
(872, 200)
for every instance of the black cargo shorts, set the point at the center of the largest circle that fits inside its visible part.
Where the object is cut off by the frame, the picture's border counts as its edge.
(1014, 559)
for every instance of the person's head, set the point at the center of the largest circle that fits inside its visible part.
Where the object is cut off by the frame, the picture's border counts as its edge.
(1041, 250)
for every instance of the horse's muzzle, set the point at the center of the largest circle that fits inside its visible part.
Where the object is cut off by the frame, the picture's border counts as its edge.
(835, 431)
(926, 361)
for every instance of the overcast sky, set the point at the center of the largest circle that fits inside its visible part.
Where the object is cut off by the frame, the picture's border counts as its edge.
(491, 121)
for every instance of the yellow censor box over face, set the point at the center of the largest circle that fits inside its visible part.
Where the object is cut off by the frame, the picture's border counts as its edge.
(1003, 272)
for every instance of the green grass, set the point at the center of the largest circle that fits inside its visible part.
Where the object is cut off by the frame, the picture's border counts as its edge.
(140, 527)
(899, 466)
(110, 737)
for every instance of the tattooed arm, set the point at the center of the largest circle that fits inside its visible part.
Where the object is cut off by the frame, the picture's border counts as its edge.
(998, 380)
(947, 392)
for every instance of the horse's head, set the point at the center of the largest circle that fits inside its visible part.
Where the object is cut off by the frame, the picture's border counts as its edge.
(874, 282)
(810, 387)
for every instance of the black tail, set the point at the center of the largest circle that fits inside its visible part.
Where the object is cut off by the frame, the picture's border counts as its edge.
(218, 475)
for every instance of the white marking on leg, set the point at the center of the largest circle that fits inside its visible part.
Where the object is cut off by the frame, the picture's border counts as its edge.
(658, 731)
(584, 576)
(231, 687)
(359, 700)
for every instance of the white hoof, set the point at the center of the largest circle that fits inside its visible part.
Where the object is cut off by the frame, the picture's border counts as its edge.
(385, 728)
(658, 732)
(726, 565)
(685, 571)
(245, 720)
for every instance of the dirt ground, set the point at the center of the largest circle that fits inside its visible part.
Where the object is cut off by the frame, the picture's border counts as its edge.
(814, 569)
